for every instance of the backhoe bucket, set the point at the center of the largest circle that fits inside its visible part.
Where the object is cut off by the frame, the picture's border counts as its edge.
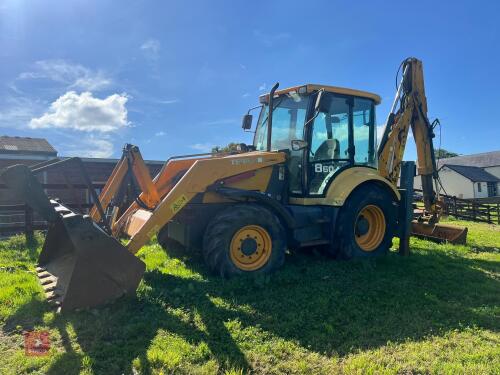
(82, 266)
(440, 232)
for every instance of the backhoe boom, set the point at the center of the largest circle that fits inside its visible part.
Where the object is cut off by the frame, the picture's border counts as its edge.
(412, 113)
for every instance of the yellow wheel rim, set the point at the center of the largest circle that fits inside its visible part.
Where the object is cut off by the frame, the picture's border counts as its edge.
(369, 228)
(250, 247)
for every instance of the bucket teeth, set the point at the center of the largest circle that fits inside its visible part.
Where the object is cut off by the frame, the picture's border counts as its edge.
(50, 287)
(44, 275)
(52, 296)
(47, 280)
(40, 269)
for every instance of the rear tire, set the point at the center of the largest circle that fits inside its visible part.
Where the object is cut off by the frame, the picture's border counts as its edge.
(366, 223)
(244, 239)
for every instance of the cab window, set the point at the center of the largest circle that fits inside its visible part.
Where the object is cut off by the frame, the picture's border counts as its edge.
(364, 132)
(289, 116)
(288, 122)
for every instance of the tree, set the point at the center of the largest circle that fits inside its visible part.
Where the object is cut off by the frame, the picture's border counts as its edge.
(441, 153)
(229, 148)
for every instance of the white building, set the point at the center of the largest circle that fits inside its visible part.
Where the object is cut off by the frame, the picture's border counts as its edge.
(469, 176)
(463, 181)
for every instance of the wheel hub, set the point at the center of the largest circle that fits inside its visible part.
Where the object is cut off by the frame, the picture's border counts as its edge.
(250, 247)
(362, 226)
(369, 228)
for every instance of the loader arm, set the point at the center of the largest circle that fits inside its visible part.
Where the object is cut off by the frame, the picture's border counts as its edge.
(202, 174)
(131, 163)
(412, 113)
(164, 182)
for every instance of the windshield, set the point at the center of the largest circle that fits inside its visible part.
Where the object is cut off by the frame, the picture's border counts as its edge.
(289, 116)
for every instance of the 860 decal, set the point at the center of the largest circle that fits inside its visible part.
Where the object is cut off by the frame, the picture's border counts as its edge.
(323, 168)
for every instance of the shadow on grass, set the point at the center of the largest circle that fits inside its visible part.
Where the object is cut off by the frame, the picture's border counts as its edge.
(325, 306)
(339, 307)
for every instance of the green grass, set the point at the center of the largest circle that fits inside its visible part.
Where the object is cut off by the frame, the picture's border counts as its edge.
(436, 311)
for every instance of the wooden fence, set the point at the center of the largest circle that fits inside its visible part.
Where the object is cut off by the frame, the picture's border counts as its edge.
(472, 210)
(485, 210)
(20, 218)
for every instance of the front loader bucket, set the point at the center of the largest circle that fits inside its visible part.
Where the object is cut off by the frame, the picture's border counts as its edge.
(439, 232)
(82, 266)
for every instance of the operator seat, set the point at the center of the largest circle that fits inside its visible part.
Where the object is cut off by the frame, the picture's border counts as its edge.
(328, 150)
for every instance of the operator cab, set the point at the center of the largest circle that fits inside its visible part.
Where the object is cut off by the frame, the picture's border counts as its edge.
(325, 130)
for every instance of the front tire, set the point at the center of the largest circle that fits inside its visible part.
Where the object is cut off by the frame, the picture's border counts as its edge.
(243, 239)
(366, 223)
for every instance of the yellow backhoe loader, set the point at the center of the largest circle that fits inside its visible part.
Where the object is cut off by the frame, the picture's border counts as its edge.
(312, 177)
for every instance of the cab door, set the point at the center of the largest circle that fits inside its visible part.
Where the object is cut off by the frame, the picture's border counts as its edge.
(329, 142)
(341, 135)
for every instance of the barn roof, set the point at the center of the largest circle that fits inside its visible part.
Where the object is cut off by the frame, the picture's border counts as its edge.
(25, 145)
(475, 174)
(485, 159)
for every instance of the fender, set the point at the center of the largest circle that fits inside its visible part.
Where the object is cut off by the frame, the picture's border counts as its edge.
(272, 204)
(344, 183)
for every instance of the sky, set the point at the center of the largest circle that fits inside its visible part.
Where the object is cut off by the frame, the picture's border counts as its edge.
(175, 77)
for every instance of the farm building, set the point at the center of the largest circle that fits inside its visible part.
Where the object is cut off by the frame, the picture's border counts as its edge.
(25, 150)
(470, 176)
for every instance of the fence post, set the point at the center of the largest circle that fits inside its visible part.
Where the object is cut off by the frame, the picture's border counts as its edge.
(28, 223)
(498, 213)
(455, 206)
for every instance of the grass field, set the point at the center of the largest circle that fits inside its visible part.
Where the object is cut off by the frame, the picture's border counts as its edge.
(437, 311)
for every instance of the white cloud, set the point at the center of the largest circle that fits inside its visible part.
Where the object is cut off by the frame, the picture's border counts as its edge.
(151, 48)
(84, 112)
(160, 134)
(262, 87)
(270, 39)
(202, 147)
(92, 82)
(92, 147)
(169, 101)
(245, 95)
(223, 121)
(75, 76)
(17, 112)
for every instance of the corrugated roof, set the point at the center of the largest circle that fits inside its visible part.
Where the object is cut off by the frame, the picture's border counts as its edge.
(25, 145)
(475, 174)
(485, 159)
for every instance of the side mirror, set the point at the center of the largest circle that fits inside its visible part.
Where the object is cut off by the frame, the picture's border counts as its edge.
(246, 123)
(298, 144)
